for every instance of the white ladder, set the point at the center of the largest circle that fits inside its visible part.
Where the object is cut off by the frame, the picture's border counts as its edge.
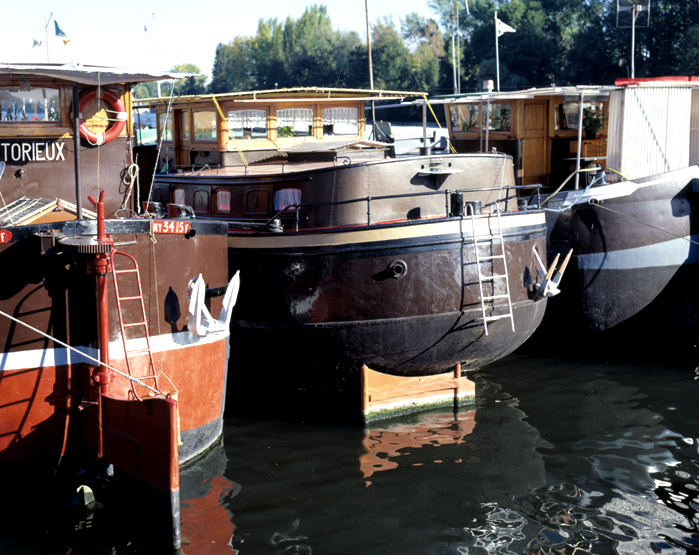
(493, 239)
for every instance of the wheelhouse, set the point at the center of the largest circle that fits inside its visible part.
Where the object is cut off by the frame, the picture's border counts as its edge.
(542, 129)
(276, 132)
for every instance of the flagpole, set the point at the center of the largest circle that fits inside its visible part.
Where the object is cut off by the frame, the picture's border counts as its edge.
(46, 37)
(453, 47)
(497, 52)
(371, 70)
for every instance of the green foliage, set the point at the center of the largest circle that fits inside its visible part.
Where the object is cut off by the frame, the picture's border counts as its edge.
(558, 42)
(189, 85)
(592, 121)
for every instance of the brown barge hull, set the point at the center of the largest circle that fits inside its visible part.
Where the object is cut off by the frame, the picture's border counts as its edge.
(328, 301)
(47, 393)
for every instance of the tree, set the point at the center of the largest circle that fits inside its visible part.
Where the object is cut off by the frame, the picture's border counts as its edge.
(232, 67)
(190, 85)
(390, 58)
(562, 42)
(427, 48)
(268, 55)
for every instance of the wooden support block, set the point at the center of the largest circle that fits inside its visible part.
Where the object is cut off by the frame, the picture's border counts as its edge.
(387, 395)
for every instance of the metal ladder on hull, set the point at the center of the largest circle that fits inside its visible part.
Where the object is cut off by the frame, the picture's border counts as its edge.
(142, 322)
(493, 240)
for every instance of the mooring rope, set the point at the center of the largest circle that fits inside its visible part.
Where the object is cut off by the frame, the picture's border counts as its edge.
(85, 355)
(130, 179)
(168, 111)
(436, 119)
(595, 202)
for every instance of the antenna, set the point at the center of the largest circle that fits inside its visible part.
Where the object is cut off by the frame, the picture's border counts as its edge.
(632, 13)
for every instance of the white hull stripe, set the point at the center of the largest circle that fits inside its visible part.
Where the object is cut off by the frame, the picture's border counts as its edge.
(669, 253)
(626, 188)
(347, 236)
(38, 358)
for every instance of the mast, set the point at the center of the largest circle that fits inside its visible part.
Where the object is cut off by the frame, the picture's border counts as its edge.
(453, 47)
(371, 70)
(46, 36)
(76, 148)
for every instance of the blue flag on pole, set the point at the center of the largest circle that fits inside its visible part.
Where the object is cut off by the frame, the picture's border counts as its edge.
(59, 31)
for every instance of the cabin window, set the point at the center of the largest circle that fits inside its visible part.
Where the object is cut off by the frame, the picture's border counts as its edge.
(184, 125)
(223, 201)
(294, 122)
(204, 125)
(464, 117)
(499, 117)
(29, 104)
(468, 117)
(164, 127)
(201, 202)
(257, 201)
(178, 195)
(568, 113)
(284, 198)
(248, 124)
(340, 121)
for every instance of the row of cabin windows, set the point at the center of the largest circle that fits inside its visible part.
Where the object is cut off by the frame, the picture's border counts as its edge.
(473, 117)
(252, 123)
(256, 200)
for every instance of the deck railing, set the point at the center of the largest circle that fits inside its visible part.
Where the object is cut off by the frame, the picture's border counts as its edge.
(455, 205)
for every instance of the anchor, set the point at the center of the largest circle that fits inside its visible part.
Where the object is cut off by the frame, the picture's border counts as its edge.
(547, 286)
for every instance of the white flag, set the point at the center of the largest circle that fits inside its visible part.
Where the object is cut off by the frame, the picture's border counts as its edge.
(502, 28)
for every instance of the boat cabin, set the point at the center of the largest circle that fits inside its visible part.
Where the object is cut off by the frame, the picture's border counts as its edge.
(540, 128)
(638, 127)
(237, 129)
(65, 133)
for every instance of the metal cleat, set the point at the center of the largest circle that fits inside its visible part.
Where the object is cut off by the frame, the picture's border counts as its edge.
(547, 283)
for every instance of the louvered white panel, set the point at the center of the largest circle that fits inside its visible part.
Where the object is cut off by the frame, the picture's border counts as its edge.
(615, 128)
(694, 130)
(651, 136)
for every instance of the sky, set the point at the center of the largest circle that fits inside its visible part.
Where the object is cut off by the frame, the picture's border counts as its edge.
(157, 34)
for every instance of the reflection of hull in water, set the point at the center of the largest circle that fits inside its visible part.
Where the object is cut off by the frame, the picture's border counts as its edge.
(383, 446)
(441, 467)
(204, 490)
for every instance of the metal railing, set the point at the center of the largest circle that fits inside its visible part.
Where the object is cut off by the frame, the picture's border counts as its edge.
(455, 205)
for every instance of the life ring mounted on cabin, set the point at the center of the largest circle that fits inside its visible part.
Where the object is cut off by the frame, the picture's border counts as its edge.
(116, 113)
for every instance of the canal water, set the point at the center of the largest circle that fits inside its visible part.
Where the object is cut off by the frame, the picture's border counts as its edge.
(556, 455)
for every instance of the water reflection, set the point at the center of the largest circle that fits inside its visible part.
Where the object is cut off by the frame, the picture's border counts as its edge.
(621, 470)
(412, 485)
(206, 524)
(383, 445)
(555, 457)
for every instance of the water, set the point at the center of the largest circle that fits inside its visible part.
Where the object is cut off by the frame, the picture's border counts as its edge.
(555, 456)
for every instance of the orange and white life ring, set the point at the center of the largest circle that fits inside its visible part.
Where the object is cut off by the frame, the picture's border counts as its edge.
(115, 109)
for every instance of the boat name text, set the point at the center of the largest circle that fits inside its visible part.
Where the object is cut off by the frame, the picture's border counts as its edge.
(32, 152)
(170, 226)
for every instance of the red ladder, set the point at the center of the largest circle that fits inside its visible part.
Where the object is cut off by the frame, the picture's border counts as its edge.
(142, 323)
